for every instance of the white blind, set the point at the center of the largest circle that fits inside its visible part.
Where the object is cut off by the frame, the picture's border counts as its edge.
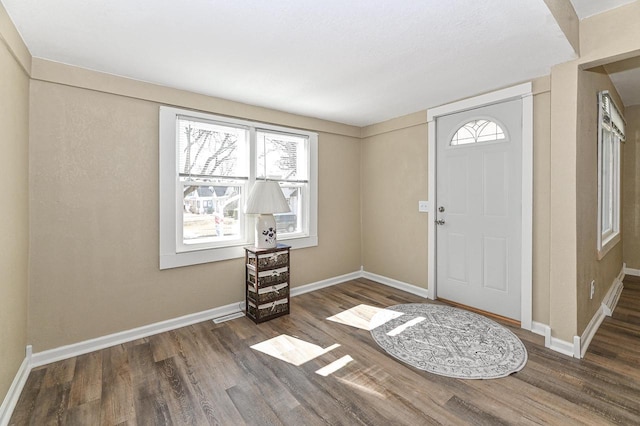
(282, 157)
(611, 115)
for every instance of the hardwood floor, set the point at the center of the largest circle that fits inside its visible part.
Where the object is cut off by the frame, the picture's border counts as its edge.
(209, 374)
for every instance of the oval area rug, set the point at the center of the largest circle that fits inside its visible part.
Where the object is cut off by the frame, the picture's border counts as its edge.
(449, 341)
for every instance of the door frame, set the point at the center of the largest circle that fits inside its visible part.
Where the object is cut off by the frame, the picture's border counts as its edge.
(523, 92)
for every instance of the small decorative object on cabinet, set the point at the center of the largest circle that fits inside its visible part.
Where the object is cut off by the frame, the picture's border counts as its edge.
(267, 282)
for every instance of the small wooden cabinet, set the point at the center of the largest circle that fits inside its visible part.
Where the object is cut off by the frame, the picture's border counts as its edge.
(267, 282)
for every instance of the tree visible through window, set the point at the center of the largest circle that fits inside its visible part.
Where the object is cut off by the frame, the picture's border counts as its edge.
(213, 175)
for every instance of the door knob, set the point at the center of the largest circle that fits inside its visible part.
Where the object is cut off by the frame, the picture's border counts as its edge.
(439, 222)
(441, 209)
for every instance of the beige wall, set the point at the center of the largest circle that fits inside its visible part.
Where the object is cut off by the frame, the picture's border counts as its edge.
(394, 179)
(589, 267)
(631, 189)
(562, 249)
(604, 38)
(541, 199)
(14, 207)
(94, 216)
(611, 35)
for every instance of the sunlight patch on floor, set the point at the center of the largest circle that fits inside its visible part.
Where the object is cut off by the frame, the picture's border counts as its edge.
(334, 366)
(399, 329)
(291, 349)
(360, 317)
(361, 383)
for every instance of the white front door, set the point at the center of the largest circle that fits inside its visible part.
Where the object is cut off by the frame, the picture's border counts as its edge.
(479, 207)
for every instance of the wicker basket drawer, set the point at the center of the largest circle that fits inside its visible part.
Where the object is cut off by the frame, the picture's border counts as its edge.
(264, 311)
(269, 260)
(269, 277)
(268, 294)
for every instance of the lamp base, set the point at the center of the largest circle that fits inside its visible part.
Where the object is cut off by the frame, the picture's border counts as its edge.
(266, 231)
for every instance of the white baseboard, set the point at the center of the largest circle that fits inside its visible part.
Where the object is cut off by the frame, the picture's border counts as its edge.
(542, 330)
(307, 288)
(13, 394)
(562, 346)
(590, 331)
(553, 343)
(409, 288)
(81, 348)
(610, 300)
(606, 309)
(631, 271)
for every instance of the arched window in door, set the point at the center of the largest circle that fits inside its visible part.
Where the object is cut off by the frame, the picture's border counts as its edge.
(475, 131)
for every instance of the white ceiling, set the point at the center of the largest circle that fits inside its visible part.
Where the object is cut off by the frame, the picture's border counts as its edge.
(356, 62)
(625, 75)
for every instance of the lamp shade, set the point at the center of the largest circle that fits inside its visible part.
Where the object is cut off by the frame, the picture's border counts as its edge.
(266, 197)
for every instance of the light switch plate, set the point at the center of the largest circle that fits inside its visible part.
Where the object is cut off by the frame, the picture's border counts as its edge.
(423, 206)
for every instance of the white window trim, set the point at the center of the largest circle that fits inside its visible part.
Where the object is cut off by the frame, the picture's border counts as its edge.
(605, 242)
(169, 255)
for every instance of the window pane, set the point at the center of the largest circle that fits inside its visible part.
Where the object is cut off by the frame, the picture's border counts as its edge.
(607, 182)
(282, 157)
(477, 131)
(291, 223)
(210, 149)
(211, 212)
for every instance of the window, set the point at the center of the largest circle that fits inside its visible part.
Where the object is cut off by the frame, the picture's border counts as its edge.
(208, 164)
(477, 131)
(611, 128)
(283, 157)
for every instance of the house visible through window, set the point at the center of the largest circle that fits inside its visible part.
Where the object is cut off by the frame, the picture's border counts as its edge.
(207, 167)
(611, 131)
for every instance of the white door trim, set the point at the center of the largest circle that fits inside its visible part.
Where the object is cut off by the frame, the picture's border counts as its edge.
(524, 92)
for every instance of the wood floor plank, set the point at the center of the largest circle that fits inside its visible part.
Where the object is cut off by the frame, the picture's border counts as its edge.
(149, 402)
(251, 406)
(184, 408)
(26, 404)
(215, 371)
(84, 414)
(60, 372)
(51, 405)
(87, 379)
(209, 374)
(117, 393)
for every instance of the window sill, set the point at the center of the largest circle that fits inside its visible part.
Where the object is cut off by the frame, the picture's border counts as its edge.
(196, 257)
(608, 245)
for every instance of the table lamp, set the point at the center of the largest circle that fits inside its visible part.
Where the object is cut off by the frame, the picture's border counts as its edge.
(265, 199)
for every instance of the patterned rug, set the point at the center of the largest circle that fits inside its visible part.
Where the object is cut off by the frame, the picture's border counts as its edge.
(448, 341)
